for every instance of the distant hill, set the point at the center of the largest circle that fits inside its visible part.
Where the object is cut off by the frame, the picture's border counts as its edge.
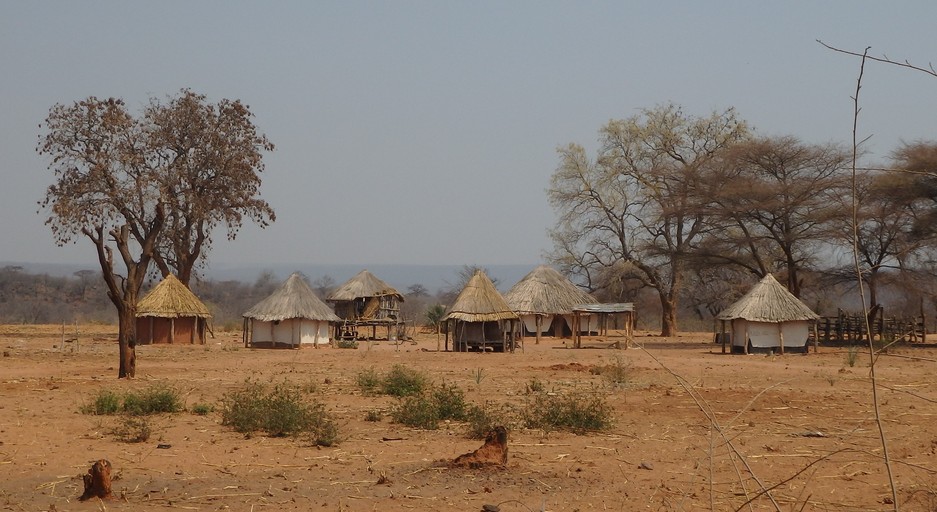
(433, 277)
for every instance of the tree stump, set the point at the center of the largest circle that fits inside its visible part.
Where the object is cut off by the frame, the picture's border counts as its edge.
(493, 453)
(98, 481)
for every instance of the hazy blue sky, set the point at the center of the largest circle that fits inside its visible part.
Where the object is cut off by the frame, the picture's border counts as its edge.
(425, 131)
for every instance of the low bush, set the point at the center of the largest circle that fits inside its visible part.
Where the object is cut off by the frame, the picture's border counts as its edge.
(426, 410)
(576, 412)
(158, 398)
(369, 381)
(202, 409)
(403, 381)
(104, 403)
(284, 410)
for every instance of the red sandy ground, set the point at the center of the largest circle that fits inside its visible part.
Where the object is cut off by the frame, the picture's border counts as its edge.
(801, 426)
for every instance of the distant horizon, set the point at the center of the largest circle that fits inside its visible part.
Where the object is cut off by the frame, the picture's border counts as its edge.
(435, 277)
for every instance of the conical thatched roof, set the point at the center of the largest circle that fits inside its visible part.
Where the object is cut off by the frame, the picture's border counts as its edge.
(363, 284)
(171, 299)
(293, 299)
(544, 290)
(768, 301)
(480, 301)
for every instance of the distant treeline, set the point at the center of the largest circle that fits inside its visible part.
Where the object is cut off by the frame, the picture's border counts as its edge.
(39, 298)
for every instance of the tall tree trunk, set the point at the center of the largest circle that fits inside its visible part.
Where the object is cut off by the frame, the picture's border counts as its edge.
(127, 339)
(668, 315)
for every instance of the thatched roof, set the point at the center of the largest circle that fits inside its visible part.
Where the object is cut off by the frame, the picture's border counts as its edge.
(768, 301)
(171, 299)
(479, 301)
(293, 299)
(363, 285)
(544, 290)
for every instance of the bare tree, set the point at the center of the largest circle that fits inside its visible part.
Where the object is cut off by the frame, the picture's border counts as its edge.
(775, 198)
(637, 207)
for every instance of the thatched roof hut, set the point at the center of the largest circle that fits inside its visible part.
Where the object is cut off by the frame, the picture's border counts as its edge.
(365, 297)
(171, 313)
(768, 316)
(480, 317)
(290, 316)
(544, 300)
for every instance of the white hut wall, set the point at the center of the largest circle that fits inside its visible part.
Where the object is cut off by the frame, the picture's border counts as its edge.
(314, 332)
(587, 323)
(530, 324)
(795, 333)
(768, 334)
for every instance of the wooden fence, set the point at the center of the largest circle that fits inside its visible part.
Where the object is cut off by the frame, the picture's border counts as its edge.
(851, 327)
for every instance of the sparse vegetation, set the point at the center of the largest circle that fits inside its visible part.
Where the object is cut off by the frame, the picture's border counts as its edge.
(400, 381)
(578, 412)
(203, 409)
(158, 398)
(426, 410)
(617, 373)
(132, 429)
(852, 355)
(284, 410)
(478, 375)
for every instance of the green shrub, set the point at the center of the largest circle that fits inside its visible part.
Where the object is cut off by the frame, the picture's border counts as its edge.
(576, 412)
(202, 409)
(449, 401)
(105, 402)
(417, 411)
(369, 381)
(482, 419)
(403, 381)
(281, 411)
(156, 399)
(153, 400)
(373, 415)
(426, 410)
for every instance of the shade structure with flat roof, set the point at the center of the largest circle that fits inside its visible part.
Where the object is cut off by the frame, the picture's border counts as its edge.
(768, 317)
(543, 299)
(290, 317)
(171, 313)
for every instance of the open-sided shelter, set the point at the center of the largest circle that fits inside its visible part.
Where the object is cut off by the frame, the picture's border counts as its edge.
(767, 317)
(480, 318)
(171, 313)
(544, 301)
(290, 317)
(365, 301)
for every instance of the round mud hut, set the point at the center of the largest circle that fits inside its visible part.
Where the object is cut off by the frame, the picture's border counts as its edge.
(544, 301)
(171, 313)
(767, 318)
(290, 317)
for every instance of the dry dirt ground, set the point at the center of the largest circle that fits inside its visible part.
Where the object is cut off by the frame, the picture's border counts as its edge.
(694, 429)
